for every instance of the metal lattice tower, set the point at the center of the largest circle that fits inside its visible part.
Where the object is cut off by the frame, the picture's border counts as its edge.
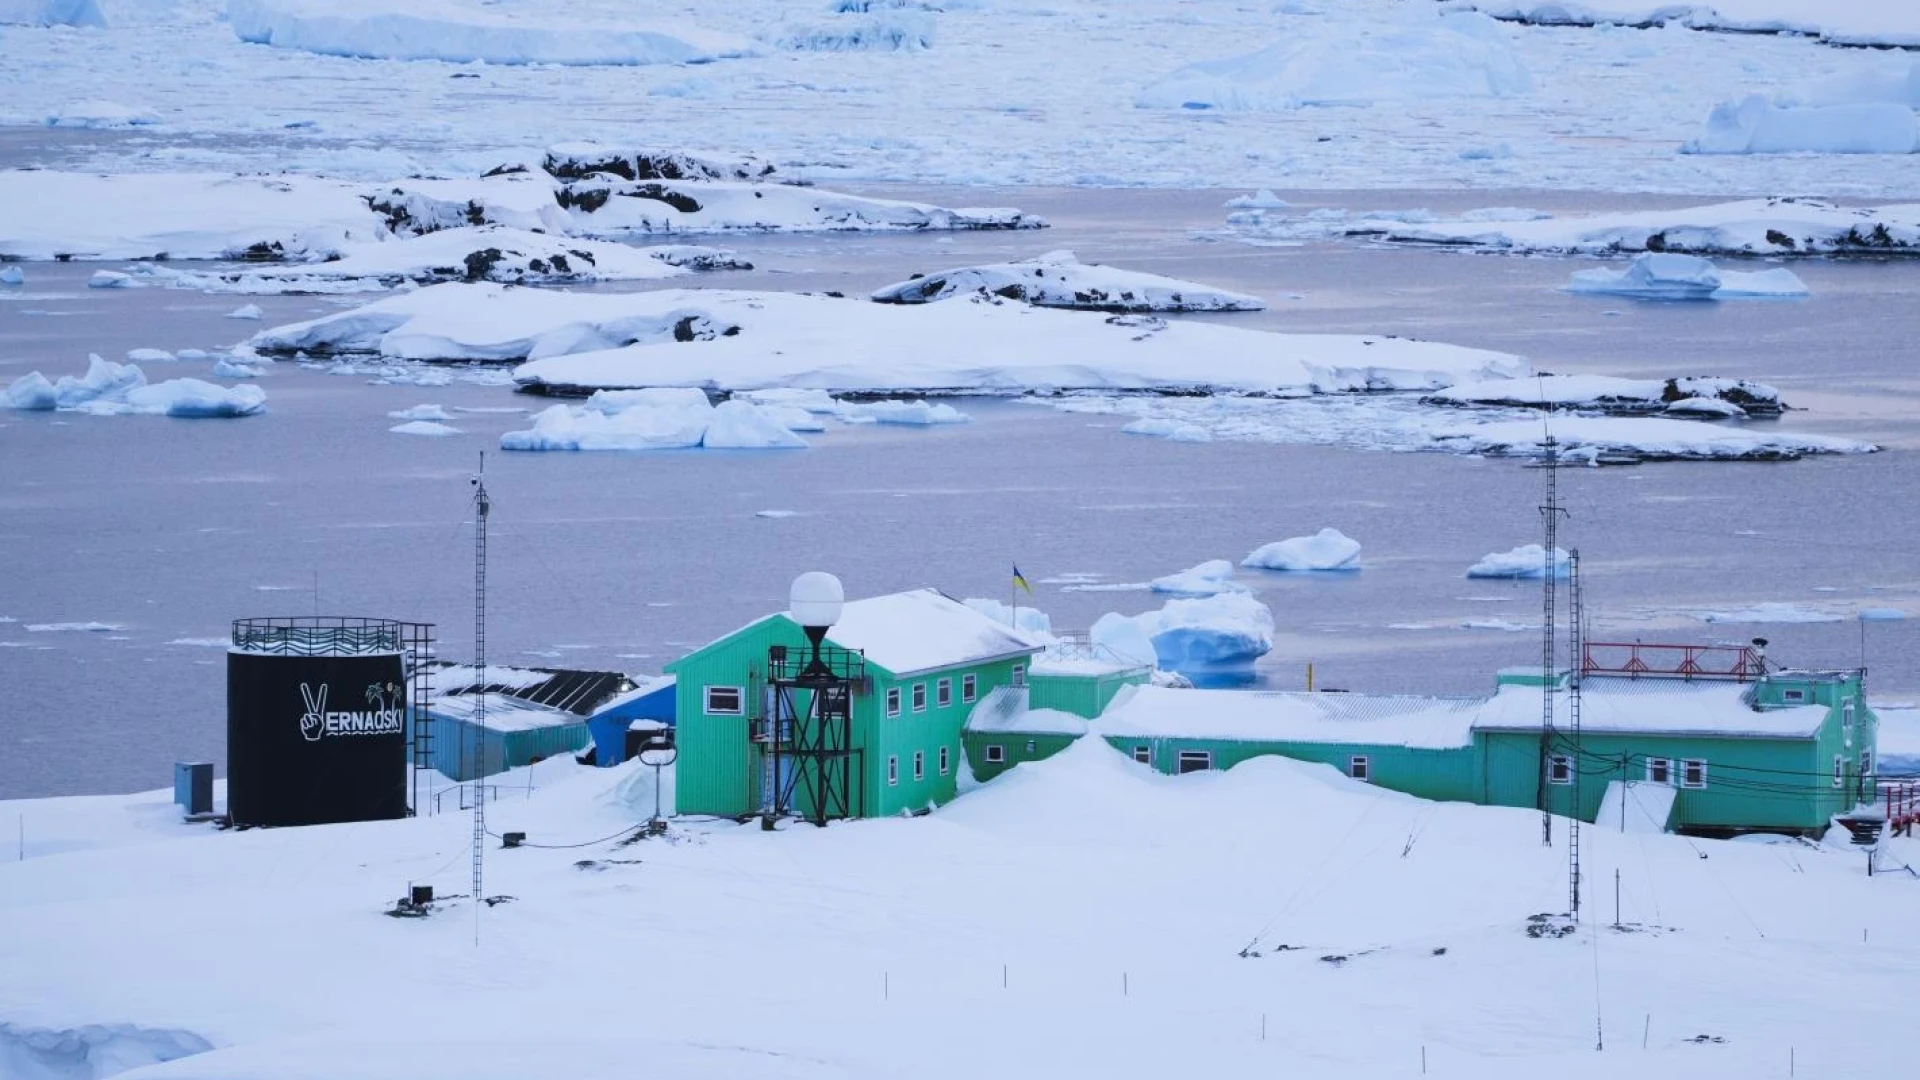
(1573, 717)
(482, 506)
(1549, 666)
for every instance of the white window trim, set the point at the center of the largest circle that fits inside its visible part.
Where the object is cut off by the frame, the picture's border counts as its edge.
(1866, 764)
(1204, 757)
(1019, 675)
(943, 693)
(969, 687)
(996, 754)
(893, 701)
(919, 697)
(946, 762)
(1143, 754)
(1360, 767)
(893, 771)
(1839, 770)
(1794, 695)
(1557, 763)
(919, 764)
(739, 696)
(1687, 764)
(1665, 764)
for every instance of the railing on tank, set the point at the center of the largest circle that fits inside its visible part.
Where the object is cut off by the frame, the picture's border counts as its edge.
(785, 664)
(319, 635)
(1635, 659)
(1902, 801)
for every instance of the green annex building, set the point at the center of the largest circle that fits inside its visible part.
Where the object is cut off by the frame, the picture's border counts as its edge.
(1671, 737)
(1069, 684)
(874, 730)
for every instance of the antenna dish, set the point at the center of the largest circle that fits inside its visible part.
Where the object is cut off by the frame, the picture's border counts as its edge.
(815, 599)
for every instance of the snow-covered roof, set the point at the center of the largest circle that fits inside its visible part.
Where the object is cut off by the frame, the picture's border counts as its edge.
(1653, 707)
(1395, 720)
(923, 629)
(645, 686)
(504, 712)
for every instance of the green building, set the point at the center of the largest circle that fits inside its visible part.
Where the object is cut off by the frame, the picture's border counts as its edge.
(917, 663)
(1069, 684)
(1714, 752)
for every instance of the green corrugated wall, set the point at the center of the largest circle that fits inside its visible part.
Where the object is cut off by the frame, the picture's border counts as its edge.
(1082, 695)
(1444, 775)
(1018, 746)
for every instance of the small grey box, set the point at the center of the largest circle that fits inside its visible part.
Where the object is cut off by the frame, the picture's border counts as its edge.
(193, 786)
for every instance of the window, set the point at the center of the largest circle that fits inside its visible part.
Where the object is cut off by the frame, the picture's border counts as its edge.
(996, 754)
(1559, 769)
(1839, 771)
(1866, 765)
(969, 687)
(1358, 767)
(1143, 754)
(893, 771)
(1659, 770)
(919, 697)
(1033, 746)
(1846, 715)
(943, 761)
(893, 701)
(919, 764)
(724, 700)
(1195, 760)
(1793, 696)
(1019, 674)
(943, 693)
(1693, 773)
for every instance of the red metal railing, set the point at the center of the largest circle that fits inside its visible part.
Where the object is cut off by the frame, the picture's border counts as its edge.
(1903, 805)
(1637, 660)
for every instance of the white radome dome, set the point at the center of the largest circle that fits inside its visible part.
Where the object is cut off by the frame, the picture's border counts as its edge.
(815, 599)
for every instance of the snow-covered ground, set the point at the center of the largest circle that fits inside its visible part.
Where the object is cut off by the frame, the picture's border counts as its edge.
(1273, 919)
(755, 340)
(1784, 226)
(1071, 92)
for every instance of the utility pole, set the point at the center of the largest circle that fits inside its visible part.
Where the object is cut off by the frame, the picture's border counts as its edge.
(482, 506)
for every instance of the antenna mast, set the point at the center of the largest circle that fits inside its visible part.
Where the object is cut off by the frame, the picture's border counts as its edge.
(482, 506)
(1573, 714)
(1549, 659)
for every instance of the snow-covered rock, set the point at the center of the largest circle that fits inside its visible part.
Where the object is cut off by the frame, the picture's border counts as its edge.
(1422, 55)
(1777, 226)
(1616, 396)
(1605, 439)
(754, 340)
(461, 34)
(1208, 634)
(1210, 578)
(1667, 276)
(582, 160)
(1057, 279)
(600, 206)
(1756, 125)
(1328, 549)
(1525, 561)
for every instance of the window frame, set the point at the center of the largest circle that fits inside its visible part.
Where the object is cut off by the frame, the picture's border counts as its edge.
(1794, 695)
(1839, 770)
(969, 687)
(739, 700)
(1560, 769)
(919, 697)
(1360, 767)
(1663, 766)
(1866, 766)
(946, 761)
(1187, 757)
(943, 693)
(1143, 753)
(1019, 676)
(893, 770)
(893, 702)
(1693, 765)
(1846, 715)
(919, 765)
(996, 754)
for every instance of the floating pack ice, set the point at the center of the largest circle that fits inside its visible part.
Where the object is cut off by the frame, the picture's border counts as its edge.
(1663, 276)
(1210, 578)
(1525, 561)
(1328, 549)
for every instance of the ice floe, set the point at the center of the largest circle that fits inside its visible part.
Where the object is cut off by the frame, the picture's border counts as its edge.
(110, 389)
(99, 114)
(1776, 226)
(424, 427)
(1210, 578)
(653, 419)
(12, 275)
(1418, 54)
(1058, 279)
(1328, 549)
(422, 412)
(1614, 395)
(467, 33)
(1837, 22)
(892, 30)
(1525, 561)
(751, 340)
(1669, 276)
(1756, 125)
(1601, 440)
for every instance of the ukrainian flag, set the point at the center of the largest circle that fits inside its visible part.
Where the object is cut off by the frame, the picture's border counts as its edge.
(1020, 581)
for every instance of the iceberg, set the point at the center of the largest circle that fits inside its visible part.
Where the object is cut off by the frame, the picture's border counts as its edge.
(1525, 561)
(1328, 549)
(1756, 125)
(52, 13)
(1209, 635)
(665, 418)
(1665, 276)
(741, 425)
(424, 427)
(1030, 619)
(1207, 579)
